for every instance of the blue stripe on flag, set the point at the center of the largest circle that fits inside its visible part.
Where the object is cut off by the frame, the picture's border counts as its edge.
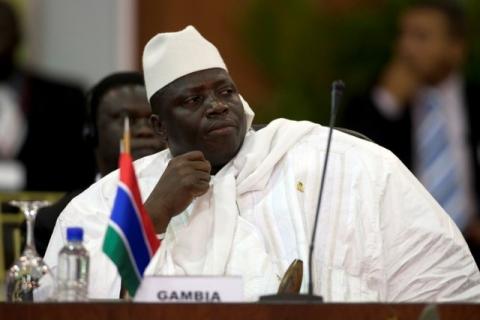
(126, 218)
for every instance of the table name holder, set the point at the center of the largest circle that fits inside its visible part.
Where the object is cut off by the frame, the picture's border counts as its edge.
(191, 289)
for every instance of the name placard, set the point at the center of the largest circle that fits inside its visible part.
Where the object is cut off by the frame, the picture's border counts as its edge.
(197, 289)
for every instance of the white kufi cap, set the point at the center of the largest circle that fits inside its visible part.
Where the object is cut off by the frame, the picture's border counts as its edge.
(169, 56)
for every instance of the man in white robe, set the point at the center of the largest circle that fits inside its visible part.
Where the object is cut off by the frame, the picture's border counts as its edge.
(230, 201)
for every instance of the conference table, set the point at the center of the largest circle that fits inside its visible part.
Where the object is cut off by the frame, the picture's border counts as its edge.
(274, 311)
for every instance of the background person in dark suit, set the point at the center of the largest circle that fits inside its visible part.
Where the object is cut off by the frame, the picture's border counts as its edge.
(425, 111)
(41, 123)
(115, 97)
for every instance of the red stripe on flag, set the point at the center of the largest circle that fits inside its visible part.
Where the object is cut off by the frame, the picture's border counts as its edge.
(128, 177)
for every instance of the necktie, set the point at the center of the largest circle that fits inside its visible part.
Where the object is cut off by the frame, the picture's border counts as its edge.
(436, 162)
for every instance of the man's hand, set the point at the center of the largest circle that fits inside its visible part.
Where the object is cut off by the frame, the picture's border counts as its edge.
(400, 80)
(185, 178)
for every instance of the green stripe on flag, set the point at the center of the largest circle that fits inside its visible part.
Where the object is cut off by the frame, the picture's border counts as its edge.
(115, 249)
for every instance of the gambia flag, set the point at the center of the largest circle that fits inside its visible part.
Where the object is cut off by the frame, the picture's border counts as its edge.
(130, 240)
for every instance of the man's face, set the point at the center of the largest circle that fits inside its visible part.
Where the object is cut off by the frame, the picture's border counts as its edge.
(426, 44)
(116, 104)
(202, 111)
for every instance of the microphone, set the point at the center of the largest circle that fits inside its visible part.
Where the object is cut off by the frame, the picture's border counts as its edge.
(295, 271)
(337, 91)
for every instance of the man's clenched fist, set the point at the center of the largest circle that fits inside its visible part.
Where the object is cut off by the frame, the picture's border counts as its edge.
(187, 176)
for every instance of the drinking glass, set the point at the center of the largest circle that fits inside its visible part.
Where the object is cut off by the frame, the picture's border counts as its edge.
(24, 276)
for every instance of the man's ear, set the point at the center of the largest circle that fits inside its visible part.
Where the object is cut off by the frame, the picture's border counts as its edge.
(158, 126)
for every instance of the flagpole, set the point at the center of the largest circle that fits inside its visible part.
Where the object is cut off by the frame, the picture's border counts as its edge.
(126, 136)
(125, 209)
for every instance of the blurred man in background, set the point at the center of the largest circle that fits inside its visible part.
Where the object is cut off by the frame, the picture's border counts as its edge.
(424, 110)
(41, 144)
(115, 97)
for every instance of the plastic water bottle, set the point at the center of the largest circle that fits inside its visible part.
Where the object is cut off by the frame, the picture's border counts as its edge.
(72, 270)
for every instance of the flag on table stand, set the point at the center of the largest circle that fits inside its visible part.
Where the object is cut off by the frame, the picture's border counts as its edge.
(130, 240)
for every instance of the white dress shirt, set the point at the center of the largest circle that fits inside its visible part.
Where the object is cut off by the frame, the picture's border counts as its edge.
(13, 132)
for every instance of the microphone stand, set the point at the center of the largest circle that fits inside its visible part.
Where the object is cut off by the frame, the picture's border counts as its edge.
(337, 90)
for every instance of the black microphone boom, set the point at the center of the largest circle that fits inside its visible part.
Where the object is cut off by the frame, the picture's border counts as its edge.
(337, 91)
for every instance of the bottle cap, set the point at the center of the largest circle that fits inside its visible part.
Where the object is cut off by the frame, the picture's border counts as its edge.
(74, 234)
